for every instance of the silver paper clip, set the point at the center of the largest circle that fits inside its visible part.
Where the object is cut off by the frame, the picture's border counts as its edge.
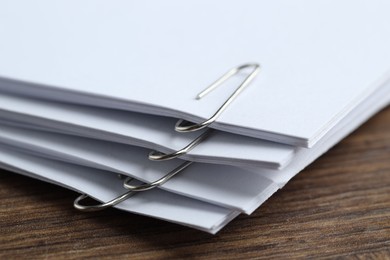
(131, 191)
(97, 207)
(101, 206)
(159, 156)
(186, 126)
(159, 182)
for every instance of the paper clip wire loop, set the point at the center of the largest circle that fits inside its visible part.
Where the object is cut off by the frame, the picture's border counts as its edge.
(131, 191)
(186, 126)
(155, 184)
(102, 206)
(159, 156)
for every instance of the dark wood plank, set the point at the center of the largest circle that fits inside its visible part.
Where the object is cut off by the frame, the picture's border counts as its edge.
(338, 207)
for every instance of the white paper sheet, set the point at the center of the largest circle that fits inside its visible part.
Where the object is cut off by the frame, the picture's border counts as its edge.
(319, 58)
(218, 184)
(105, 186)
(142, 130)
(278, 178)
(304, 157)
(226, 186)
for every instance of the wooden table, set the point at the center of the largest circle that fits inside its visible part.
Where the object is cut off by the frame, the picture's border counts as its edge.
(339, 206)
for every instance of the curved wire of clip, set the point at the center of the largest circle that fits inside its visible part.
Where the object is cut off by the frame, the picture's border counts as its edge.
(155, 184)
(186, 126)
(101, 206)
(131, 191)
(159, 156)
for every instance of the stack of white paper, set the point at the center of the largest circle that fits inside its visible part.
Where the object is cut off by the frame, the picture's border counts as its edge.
(88, 89)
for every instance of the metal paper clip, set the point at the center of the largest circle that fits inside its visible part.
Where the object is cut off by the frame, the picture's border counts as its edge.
(101, 206)
(159, 156)
(131, 191)
(159, 182)
(186, 126)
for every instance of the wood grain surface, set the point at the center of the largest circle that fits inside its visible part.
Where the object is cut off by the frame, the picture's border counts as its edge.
(338, 207)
